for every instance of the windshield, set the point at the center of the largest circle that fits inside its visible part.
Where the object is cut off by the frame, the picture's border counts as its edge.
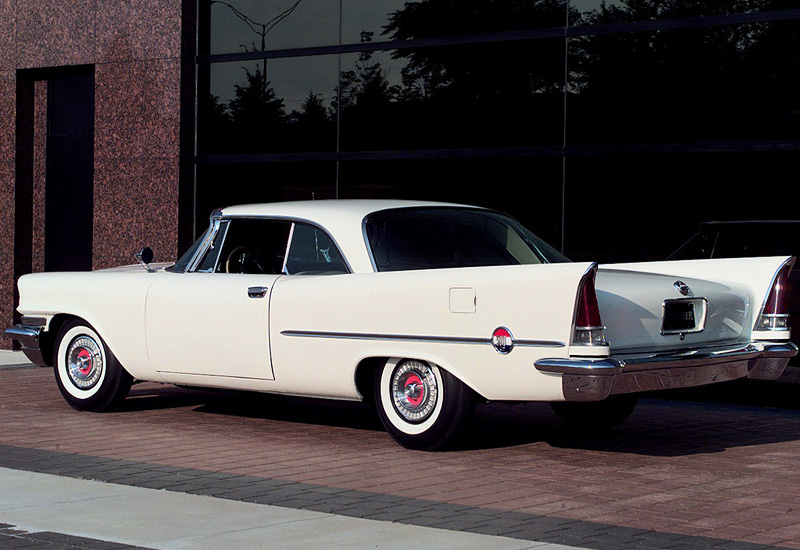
(183, 262)
(431, 238)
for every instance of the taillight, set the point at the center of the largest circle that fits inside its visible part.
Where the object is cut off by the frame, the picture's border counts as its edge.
(589, 329)
(775, 313)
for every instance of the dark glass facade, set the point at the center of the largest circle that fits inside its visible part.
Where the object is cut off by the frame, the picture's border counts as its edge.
(609, 128)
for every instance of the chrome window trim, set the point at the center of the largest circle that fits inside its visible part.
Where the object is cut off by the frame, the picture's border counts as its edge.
(200, 253)
(211, 244)
(287, 249)
(294, 220)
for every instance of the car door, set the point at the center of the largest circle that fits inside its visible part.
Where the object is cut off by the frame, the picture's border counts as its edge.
(212, 320)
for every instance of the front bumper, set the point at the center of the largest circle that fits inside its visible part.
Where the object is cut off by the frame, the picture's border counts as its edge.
(596, 379)
(29, 338)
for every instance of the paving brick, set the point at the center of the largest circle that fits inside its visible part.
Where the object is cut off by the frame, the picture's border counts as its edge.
(675, 475)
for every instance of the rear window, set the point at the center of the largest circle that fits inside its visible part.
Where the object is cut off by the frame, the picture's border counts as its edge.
(432, 238)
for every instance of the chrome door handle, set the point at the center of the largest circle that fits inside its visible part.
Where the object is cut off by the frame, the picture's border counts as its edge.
(257, 291)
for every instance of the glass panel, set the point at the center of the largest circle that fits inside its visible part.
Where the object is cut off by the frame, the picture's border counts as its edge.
(313, 253)
(642, 208)
(223, 185)
(725, 83)
(758, 239)
(253, 246)
(699, 247)
(435, 238)
(591, 12)
(402, 20)
(529, 189)
(258, 25)
(183, 262)
(289, 110)
(493, 95)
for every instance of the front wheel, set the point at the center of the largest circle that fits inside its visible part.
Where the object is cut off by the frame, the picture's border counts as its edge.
(88, 375)
(421, 406)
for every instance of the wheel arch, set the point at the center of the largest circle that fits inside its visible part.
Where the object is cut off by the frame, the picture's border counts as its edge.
(367, 369)
(47, 341)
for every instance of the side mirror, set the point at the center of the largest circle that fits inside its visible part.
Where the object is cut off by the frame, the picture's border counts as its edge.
(144, 257)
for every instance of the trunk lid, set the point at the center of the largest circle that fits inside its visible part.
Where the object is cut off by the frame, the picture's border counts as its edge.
(632, 306)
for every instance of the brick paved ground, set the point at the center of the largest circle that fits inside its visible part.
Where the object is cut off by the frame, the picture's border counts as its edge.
(676, 474)
(11, 537)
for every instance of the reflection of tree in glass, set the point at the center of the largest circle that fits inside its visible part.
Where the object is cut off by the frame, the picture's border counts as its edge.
(488, 71)
(692, 84)
(366, 103)
(311, 128)
(489, 94)
(257, 113)
(718, 82)
(313, 111)
(366, 86)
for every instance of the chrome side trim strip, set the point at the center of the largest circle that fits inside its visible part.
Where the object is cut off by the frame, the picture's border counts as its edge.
(414, 338)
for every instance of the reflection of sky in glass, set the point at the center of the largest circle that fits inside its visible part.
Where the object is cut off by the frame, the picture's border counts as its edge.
(230, 33)
(370, 16)
(314, 22)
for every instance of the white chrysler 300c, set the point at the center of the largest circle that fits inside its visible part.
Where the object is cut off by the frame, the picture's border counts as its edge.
(424, 307)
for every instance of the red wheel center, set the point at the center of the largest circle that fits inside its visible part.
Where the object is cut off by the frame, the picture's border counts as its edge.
(85, 359)
(414, 390)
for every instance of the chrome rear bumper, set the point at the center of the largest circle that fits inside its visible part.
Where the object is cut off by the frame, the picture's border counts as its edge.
(596, 379)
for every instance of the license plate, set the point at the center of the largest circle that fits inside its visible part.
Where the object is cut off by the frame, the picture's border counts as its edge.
(683, 316)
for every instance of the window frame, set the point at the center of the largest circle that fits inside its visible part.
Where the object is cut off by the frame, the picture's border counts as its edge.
(217, 220)
(541, 248)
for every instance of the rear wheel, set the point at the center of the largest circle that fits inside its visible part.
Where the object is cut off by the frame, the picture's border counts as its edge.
(88, 375)
(421, 406)
(596, 415)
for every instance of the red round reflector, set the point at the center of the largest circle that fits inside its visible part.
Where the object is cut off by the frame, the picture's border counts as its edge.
(502, 340)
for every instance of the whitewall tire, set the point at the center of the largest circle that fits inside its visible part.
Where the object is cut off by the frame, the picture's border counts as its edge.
(421, 405)
(88, 375)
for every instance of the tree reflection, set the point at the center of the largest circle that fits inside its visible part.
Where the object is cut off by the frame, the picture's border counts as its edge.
(713, 83)
(689, 84)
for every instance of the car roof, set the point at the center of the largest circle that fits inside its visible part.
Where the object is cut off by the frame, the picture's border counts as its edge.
(319, 210)
(341, 218)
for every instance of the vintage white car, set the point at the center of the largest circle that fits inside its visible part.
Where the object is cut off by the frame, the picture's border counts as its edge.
(424, 307)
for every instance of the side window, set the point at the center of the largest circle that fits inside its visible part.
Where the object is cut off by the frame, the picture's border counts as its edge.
(312, 252)
(248, 246)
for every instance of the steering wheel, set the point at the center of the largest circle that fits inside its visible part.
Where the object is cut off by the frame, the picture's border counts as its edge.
(241, 260)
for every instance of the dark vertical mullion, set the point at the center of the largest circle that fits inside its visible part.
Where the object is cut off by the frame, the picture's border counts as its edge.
(23, 184)
(338, 100)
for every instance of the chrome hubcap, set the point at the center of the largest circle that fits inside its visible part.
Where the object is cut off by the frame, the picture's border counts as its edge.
(414, 391)
(84, 362)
